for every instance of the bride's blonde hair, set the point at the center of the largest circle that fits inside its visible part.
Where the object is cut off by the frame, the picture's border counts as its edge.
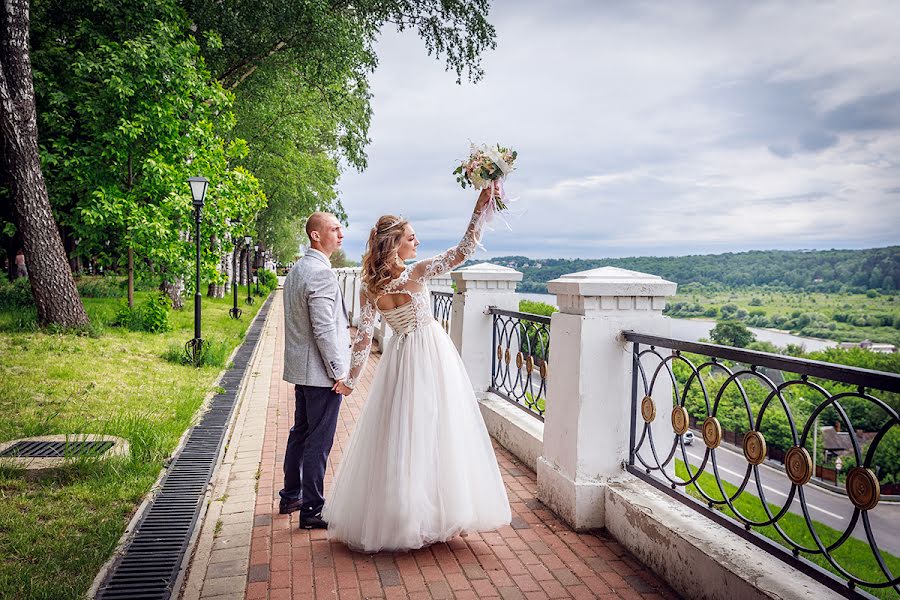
(381, 257)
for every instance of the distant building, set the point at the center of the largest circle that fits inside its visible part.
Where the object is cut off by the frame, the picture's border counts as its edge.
(837, 443)
(870, 346)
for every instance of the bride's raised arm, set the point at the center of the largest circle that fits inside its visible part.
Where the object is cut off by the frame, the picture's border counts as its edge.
(455, 256)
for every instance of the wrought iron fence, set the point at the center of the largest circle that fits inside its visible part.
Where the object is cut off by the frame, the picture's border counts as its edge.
(521, 343)
(718, 383)
(441, 305)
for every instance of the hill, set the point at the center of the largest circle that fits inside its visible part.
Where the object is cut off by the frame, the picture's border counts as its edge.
(829, 271)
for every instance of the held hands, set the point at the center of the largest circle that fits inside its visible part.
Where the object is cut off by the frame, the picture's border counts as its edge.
(341, 388)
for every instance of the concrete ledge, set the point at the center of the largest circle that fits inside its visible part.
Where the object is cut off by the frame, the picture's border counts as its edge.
(513, 428)
(695, 556)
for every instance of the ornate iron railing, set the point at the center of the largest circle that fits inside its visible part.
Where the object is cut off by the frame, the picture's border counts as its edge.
(521, 346)
(441, 305)
(718, 382)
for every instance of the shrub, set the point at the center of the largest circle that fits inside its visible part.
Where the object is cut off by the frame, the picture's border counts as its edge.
(152, 316)
(16, 294)
(267, 279)
(755, 302)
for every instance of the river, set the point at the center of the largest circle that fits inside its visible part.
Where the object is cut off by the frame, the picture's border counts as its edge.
(692, 330)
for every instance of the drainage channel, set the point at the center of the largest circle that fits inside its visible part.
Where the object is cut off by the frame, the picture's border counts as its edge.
(149, 565)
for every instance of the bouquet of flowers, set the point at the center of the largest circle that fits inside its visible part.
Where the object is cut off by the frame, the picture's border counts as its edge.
(487, 166)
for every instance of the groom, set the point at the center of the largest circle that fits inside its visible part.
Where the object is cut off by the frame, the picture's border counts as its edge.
(316, 361)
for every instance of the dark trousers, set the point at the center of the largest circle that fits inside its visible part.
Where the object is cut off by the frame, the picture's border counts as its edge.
(308, 445)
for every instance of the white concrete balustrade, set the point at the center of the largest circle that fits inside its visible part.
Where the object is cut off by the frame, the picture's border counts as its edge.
(580, 449)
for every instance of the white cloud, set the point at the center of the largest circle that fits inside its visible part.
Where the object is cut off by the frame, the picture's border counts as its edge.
(646, 129)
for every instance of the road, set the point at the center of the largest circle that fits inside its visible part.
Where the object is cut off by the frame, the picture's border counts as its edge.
(829, 508)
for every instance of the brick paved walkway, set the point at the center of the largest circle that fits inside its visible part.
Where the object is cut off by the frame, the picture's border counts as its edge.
(538, 556)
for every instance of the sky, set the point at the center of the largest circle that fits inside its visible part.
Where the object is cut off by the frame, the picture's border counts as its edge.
(648, 129)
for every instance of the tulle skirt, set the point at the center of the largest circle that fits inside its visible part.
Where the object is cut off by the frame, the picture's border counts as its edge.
(419, 468)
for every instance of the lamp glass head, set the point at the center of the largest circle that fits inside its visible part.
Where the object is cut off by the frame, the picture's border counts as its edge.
(248, 240)
(198, 189)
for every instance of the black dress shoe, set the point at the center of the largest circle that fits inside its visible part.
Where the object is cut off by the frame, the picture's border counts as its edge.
(313, 522)
(286, 507)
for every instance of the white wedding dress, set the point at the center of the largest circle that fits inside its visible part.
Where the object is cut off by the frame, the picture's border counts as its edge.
(419, 468)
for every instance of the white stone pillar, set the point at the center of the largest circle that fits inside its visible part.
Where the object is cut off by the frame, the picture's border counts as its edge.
(471, 326)
(441, 283)
(587, 422)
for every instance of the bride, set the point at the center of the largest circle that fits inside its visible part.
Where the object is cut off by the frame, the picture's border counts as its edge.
(419, 468)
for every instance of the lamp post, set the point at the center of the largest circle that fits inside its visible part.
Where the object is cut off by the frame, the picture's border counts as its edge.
(247, 241)
(235, 312)
(194, 348)
(256, 262)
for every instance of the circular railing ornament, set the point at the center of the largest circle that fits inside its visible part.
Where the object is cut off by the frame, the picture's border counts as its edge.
(712, 432)
(680, 420)
(754, 447)
(499, 352)
(520, 360)
(507, 356)
(798, 465)
(544, 367)
(648, 409)
(529, 364)
(863, 488)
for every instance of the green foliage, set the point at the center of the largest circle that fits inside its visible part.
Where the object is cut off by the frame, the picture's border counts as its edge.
(152, 316)
(731, 333)
(267, 280)
(15, 294)
(823, 271)
(537, 308)
(101, 287)
(215, 354)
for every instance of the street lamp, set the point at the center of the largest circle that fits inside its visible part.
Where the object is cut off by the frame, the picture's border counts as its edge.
(247, 241)
(256, 262)
(194, 349)
(235, 312)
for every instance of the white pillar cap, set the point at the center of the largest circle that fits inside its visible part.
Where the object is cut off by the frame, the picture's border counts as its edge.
(611, 281)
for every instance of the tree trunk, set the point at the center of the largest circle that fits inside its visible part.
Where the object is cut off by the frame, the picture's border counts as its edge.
(52, 284)
(173, 290)
(131, 277)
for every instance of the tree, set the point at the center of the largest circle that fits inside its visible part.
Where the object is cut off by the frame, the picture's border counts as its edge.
(52, 284)
(731, 333)
(131, 112)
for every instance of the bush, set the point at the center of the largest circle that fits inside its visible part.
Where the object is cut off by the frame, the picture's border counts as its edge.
(267, 280)
(16, 294)
(152, 316)
(101, 287)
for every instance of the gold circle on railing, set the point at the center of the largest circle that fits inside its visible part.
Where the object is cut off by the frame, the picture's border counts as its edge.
(798, 465)
(712, 432)
(680, 420)
(520, 360)
(529, 364)
(507, 356)
(499, 352)
(544, 367)
(863, 488)
(648, 409)
(754, 447)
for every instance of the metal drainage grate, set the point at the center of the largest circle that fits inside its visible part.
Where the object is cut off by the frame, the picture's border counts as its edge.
(56, 449)
(148, 568)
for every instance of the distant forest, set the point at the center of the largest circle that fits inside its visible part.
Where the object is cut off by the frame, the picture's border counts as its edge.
(853, 271)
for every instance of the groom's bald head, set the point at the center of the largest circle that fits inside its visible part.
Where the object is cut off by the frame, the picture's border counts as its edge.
(324, 232)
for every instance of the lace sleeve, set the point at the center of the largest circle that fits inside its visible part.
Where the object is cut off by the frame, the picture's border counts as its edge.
(362, 342)
(443, 262)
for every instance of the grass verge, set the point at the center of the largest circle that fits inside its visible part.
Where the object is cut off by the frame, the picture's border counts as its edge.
(854, 555)
(57, 529)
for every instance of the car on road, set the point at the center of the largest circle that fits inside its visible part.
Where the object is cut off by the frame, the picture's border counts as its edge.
(688, 437)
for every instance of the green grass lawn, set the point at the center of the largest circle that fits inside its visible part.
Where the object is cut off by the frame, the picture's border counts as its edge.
(854, 555)
(57, 530)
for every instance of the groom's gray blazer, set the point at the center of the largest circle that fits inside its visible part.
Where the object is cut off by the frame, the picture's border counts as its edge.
(316, 329)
